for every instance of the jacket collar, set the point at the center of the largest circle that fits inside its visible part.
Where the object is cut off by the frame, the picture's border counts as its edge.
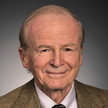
(28, 97)
(86, 98)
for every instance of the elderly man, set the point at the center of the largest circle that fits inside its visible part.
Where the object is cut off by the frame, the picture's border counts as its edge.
(51, 41)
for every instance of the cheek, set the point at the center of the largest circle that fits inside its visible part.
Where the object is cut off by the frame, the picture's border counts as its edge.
(73, 61)
(41, 60)
(38, 63)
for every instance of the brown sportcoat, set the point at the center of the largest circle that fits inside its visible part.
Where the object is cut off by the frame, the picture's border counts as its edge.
(26, 97)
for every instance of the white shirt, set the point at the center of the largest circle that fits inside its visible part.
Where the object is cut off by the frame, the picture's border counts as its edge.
(46, 102)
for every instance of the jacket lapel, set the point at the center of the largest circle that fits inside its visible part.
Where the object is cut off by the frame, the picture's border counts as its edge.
(85, 97)
(27, 97)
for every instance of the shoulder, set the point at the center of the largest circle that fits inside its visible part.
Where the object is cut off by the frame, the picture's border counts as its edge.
(92, 92)
(85, 87)
(8, 100)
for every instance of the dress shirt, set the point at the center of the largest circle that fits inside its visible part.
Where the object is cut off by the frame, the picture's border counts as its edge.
(46, 102)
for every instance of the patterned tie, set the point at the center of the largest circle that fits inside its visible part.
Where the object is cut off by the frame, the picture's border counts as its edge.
(59, 106)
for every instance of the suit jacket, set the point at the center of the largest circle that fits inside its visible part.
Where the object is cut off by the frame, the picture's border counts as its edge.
(26, 97)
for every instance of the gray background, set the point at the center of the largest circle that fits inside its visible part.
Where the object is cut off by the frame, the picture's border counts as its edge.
(92, 13)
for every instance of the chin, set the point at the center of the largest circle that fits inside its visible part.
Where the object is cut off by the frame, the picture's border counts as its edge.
(60, 86)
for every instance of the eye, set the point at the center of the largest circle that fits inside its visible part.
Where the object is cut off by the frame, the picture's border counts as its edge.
(68, 49)
(45, 50)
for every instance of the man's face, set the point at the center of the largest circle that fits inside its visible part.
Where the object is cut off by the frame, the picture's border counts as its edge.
(55, 54)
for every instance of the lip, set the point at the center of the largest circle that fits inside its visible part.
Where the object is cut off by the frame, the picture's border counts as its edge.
(56, 74)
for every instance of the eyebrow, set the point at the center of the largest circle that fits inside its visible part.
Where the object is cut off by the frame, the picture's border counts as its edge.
(65, 45)
(42, 46)
(71, 44)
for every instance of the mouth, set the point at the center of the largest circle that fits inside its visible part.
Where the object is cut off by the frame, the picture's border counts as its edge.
(56, 74)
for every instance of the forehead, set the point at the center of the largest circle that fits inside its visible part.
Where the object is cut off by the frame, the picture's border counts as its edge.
(53, 26)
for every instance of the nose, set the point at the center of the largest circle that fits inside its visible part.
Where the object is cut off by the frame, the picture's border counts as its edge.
(56, 59)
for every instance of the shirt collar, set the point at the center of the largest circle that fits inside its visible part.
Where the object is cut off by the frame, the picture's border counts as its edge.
(46, 102)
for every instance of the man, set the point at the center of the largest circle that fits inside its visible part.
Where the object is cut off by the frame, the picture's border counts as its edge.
(51, 41)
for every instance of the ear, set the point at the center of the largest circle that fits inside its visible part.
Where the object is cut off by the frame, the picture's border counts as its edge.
(24, 58)
(81, 56)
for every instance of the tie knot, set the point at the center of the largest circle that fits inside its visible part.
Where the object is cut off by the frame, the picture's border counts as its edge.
(59, 106)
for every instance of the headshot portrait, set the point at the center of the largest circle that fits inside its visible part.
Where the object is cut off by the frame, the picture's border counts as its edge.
(54, 54)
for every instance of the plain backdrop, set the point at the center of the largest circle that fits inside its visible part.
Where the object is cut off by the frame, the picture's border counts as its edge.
(92, 13)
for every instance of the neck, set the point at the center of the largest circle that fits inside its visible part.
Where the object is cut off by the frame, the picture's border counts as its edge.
(56, 95)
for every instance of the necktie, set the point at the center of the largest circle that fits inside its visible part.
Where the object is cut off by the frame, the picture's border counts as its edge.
(59, 106)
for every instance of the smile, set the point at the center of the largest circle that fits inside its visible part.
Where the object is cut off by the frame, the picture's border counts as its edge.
(56, 74)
